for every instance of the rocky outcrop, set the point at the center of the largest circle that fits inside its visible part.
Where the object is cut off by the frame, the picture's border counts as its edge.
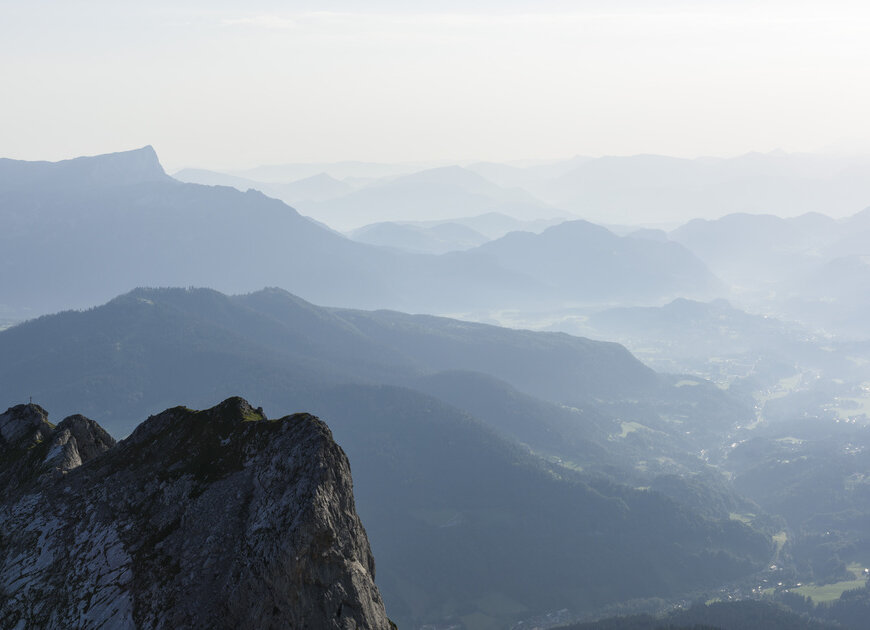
(200, 519)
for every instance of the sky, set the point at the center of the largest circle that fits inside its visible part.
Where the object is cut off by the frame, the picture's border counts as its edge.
(231, 85)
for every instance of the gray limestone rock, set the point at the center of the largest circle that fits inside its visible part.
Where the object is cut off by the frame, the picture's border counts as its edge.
(200, 519)
(21, 425)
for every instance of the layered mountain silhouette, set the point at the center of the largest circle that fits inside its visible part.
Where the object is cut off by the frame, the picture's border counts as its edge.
(655, 188)
(502, 533)
(306, 344)
(78, 232)
(315, 188)
(440, 193)
(771, 248)
(588, 261)
(435, 239)
(809, 268)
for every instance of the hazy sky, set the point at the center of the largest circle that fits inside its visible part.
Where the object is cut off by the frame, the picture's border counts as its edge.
(233, 84)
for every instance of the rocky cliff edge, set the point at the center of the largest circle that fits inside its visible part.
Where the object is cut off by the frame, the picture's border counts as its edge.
(199, 519)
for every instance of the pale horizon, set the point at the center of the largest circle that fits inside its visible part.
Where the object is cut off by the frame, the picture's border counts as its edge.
(425, 163)
(215, 86)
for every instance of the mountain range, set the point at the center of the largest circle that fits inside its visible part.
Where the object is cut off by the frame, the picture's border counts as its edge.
(810, 268)
(440, 238)
(660, 189)
(80, 231)
(418, 403)
(528, 472)
(648, 189)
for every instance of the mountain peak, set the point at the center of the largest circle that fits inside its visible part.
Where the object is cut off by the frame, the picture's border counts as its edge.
(124, 167)
(24, 424)
(215, 521)
(110, 169)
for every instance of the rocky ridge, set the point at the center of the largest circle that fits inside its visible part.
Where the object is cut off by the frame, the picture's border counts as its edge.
(219, 518)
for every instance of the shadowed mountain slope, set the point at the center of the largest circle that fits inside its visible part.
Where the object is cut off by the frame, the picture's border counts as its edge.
(77, 232)
(165, 339)
(586, 262)
(502, 534)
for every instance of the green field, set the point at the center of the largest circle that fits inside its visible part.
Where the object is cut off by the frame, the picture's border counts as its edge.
(831, 592)
(853, 406)
(630, 427)
(782, 389)
(780, 539)
(746, 519)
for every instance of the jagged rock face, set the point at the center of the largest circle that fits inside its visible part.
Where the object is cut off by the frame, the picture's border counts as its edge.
(31, 447)
(23, 424)
(200, 519)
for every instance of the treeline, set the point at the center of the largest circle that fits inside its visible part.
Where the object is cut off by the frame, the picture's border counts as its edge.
(851, 610)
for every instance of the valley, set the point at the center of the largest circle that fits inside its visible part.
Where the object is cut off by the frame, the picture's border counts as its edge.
(394, 315)
(596, 423)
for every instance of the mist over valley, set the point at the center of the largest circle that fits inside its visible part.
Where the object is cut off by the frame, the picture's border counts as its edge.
(471, 317)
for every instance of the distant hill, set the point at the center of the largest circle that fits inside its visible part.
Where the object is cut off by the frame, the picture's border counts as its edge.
(495, 224)
(526, 174)
(215, 178)
(436, 239)
(441, 193)
(644, 189)
(691, 328)
(285, 173)
(564, 396)
(80, 231)
(654, 188)
(771, 249)
(274, 330)
(834, 296)
(588, 262)
(318, 187)
(809, 268)
(77, 232)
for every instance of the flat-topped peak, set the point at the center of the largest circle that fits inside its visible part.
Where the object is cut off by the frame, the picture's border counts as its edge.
(124, 167)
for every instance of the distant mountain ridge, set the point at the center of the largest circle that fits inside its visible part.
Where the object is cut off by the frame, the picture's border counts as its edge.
(437, 239)
(78, 232)
(435, 485)
(645, 188)
(589, 261)
(114, 169)
(438, 193)
(318, 187)
(807, 268)
(154, 230)
(321, 345)
(656, 188)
